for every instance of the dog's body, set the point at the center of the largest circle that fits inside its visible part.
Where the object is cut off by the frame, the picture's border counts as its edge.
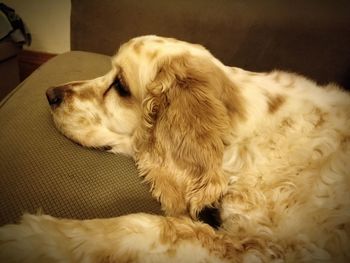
(270, 150)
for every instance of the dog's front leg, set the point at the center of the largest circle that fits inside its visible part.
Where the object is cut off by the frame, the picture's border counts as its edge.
(131, 238)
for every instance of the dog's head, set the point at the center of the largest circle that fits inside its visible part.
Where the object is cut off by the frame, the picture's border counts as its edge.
(169, 104)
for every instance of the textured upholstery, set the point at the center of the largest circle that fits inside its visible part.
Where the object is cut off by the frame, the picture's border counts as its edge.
(40, 169)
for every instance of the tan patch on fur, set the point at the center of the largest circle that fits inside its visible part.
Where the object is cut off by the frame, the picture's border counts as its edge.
(86, 94)
(138, 46)
(152, 55)
(321, 117)
(97, 120)
(274, 102)
(83, 121)
(287, 122)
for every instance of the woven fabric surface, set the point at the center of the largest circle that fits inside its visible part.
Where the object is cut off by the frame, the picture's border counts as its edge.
(42, 170)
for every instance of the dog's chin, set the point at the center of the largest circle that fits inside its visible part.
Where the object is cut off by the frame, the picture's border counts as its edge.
(67, 134)
(104, 148)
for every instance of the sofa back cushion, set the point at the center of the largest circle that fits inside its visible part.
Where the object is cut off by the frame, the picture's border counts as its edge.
(307, 37)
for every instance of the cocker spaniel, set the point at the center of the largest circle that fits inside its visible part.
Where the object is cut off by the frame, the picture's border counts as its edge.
(270, 151)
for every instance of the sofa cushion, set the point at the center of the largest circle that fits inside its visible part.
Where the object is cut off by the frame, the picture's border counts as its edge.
(41, 169)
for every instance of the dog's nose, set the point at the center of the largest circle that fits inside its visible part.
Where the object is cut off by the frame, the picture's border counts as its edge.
(55, 96)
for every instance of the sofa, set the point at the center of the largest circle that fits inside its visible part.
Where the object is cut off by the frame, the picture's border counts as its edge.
(42, 171)
(9, 69)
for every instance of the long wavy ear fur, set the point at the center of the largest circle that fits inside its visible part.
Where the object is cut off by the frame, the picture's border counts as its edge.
(187, 116)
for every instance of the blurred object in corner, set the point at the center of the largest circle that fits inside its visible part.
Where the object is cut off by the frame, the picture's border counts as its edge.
(12, 25)
(13, 35)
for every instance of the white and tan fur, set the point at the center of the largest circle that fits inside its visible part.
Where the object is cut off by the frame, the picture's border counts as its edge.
(270, 150)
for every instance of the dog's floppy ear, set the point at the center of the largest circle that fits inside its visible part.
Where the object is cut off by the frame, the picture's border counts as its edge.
(186, 120)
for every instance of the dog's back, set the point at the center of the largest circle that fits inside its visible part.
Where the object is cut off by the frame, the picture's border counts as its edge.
(289, 165)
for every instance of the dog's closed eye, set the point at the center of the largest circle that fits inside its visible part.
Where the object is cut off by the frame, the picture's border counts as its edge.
(120, 87)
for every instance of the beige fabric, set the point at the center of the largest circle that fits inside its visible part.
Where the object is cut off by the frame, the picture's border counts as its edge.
(39, 168)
